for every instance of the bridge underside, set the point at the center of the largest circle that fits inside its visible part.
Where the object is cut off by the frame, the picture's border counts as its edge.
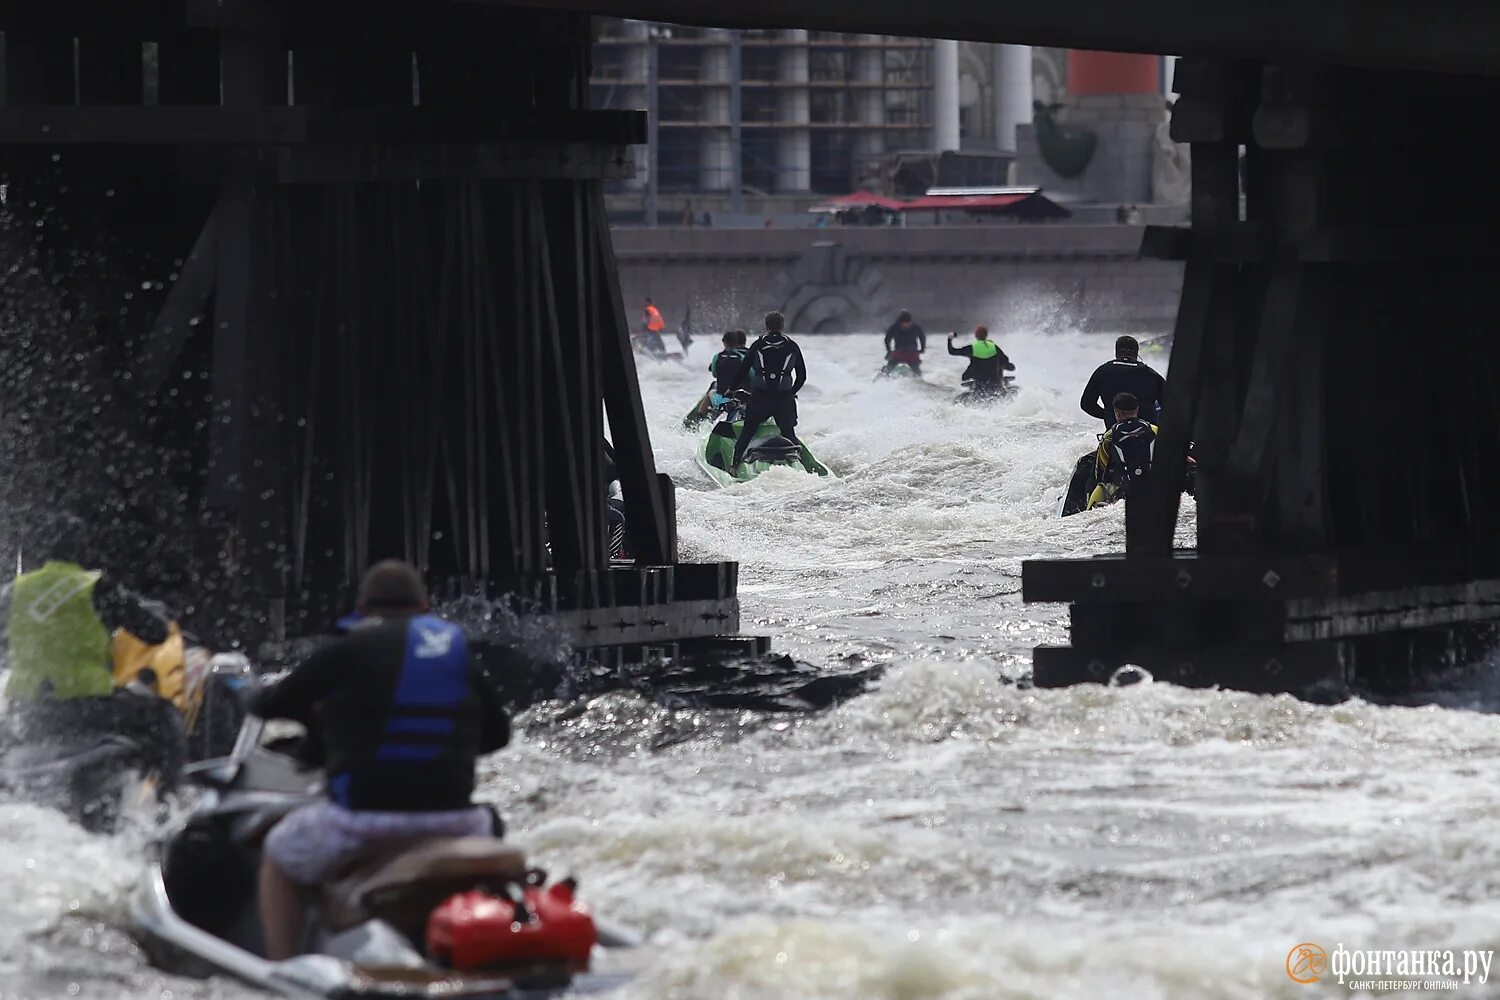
(342, 289)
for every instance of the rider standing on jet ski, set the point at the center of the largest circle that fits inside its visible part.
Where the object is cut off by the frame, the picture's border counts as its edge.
(405, 712)
(652, 326)
(1126, 373)
(775, 372)
(1125, 452)
(986, 360)
(904, 343)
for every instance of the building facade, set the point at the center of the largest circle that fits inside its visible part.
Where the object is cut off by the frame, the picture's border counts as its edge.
(755, 126)
(789, 115)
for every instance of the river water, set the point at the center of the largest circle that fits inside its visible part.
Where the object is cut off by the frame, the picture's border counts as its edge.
(950, 834)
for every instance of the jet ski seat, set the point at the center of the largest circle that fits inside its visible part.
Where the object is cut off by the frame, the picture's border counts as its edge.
(403, 881)
(774, 449)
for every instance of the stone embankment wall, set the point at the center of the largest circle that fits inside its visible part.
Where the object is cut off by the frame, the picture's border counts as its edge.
(855, 278)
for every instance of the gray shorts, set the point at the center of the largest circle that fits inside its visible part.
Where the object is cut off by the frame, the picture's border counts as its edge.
(312, 839)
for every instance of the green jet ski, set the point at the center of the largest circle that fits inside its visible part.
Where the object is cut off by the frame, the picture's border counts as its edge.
(767, 449)
(703, 411)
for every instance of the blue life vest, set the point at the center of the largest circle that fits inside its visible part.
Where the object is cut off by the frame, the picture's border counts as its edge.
(434, 685)
(429, 702)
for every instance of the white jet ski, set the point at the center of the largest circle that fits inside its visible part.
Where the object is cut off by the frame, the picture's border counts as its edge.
(459, 917)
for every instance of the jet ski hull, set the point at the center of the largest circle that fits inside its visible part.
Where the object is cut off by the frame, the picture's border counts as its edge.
(196, 910)
(89, 757)
(976, 394)
(716, 454)
(89, 778)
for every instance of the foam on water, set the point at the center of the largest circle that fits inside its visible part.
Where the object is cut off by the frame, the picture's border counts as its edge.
(1146, 841)
(952, 834)
(64, 898)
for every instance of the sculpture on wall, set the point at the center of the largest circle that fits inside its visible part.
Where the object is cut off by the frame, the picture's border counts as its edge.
(828, 291)
(1171, 168)
(1067, 150)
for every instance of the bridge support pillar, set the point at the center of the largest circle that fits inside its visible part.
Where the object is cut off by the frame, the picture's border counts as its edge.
(394, 326)
(1332, 370)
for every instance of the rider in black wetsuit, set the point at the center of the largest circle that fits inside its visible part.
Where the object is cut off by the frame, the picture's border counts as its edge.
(1125, 453)
(725, 368)
(904, 343)
(987, 362)
(1127, 373)
(775, 373)
(405, 712)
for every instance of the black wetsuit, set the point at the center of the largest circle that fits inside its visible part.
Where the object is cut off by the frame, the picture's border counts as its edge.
(404, 710)
(905, 338)
(1121, 375)
(118, 609)
(726, 368)
(775, 373)
(906, 343)
(984, 371)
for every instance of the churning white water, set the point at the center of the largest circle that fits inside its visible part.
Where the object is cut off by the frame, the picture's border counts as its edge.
(950, 834)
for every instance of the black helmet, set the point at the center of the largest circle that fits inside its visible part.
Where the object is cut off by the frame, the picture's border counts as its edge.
(904, 316)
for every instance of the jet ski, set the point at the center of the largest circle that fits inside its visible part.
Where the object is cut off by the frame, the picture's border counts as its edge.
(898, 370)
(767, 450)
(95, 758)
(703, 411)
(91, 777)
(985, 393)
(456, 917)
(653, 349)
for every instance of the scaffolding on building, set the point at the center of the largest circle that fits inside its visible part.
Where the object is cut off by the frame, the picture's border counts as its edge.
(765, 113)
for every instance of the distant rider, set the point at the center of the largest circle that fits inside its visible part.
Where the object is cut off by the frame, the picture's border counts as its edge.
(1125, 452)
(1128, 374)
(775, 373)
(986, 361)
(652, 327)
(404, 712)
(62, 619)
(725, 368)
(904, 343)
